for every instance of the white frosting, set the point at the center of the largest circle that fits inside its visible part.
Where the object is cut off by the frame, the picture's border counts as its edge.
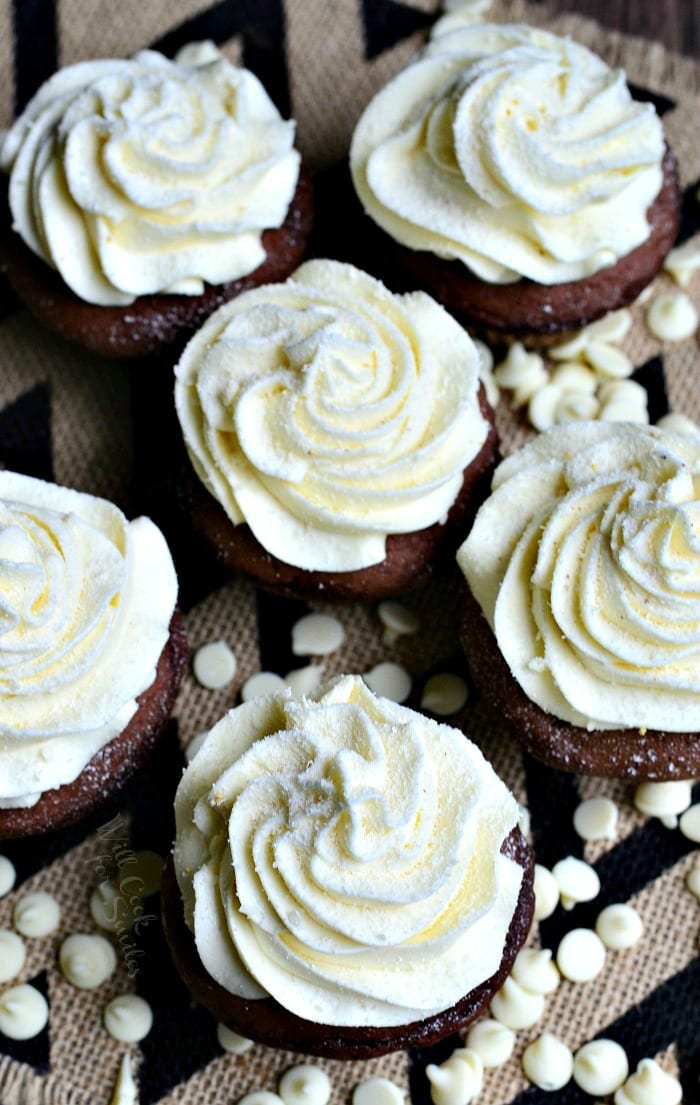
(305, 1085)
(79, 585)
(328, 413)
(13, 954)
(600, 1067)
(516, 1007)
(649, 1085)
(548, 1062)
(128, 1018)
(512, 150)
(577, 881)
(619, 926)
(378, 1091)
(546, 893)
(24, 1012)
(596, 819)
(147, 175)
(492, 1041)
(342, 853)
(456, 1081)
(586, 563)
(581, 955)
(534, 970)
(86, 960)
(36, 914)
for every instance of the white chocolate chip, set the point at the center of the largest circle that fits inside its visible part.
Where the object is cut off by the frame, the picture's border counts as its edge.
(214, 665)
(574, 376)
(317, 635)
(546, 893)
(108, 908)
(596, 819)
(398, 621)
(644, 296)
(576, 406)
(143, 875)
(378, 1091)
(8, 876)
(534, 971)
(664, 800)
(492, 1041)
(515, 1007)
(231, 1041)
(619, 926)
(689, 823)
(682, 262)
(444, 694)
(581, 955)
(569, 350)
(547, 1062)
(260, 1097)
(303, 681)
(36, 914)
(456, 1081)
(263, 682)
(626, 391)
(692, 881)
(24, 1012)
(613, 327)
(607, 360)
(86, 961)
(389, 680)
(469, 11)
(577, 881)
(622, 410)
(672, 317)
(485, 355)
(600, 1067)
(679, 424)
(649, 1085)
(12, 955)
(125, 1090)
(195, 744)
(128, 1018)
(543, 407)
(522, 372)
(305, 1085)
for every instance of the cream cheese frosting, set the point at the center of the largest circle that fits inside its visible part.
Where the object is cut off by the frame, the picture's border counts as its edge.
(147, 175)
(342, 854)
(79, 587)
(513, 150)
(328, 413)
(585, 561)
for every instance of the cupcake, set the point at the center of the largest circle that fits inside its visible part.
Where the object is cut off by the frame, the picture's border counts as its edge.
(92, 650)
(338, 431)
(522, 185)
(583, 629)
(144, 193)
(348, 877)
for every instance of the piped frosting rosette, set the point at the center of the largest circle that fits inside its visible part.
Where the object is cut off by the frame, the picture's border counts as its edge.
(585, 561)
(513, 150)
(342, 854)
(328, 413)
(79, 588)
(147, 175)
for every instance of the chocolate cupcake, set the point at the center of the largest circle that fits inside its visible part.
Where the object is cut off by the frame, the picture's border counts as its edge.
(143, 193)
(333, 915)
(583, 625)
(339, 430)
(523, 186)
(92, 650)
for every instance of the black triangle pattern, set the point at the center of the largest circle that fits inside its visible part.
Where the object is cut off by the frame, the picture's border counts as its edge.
(34, 24)
(663, 104)
(387, 22)
(25, 433)
(652, 377)
(690, 213)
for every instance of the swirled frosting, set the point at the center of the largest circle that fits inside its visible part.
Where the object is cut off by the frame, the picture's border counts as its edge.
(586, 563)
(342, 854)
(147, 175)
(513, 150)
(79, 585)
(328, 413)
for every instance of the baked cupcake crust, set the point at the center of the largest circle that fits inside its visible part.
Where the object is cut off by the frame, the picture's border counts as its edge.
(267, 1022)
(109, 768)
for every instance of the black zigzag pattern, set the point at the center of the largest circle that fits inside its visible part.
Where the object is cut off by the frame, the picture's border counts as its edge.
(35, 46)
(25, 433)
(387, 22)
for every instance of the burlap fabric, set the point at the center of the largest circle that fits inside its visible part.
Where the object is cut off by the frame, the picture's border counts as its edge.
(67, 416)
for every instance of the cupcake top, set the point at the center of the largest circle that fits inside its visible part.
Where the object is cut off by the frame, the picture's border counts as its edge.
(341, 853)
(585, 561)
(86, 600)
(513, 150)
(140, 176)
(328, 413)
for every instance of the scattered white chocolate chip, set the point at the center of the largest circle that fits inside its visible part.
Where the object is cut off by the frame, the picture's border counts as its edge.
(194, 745)
(468, 11)
(231, 1041)
(24, 1012)
(574, 376)
(607, 360)
(577, 881)
(596, 819)
(664, 800)
(682, 262)
(86, 960)
(12, 955)
(317, 635)
(649, 1085)
(36, 914)
(142, 875)
(263, 682)
(576, 406)
(534, 971)
(547, 1062)
(8, 876)
(612, 327)
(457, 1080)
(389, 680)
(378, 1091)
(108, 907)
(260, 1097)
(644, 296)
(619, 926)
(570, 350)
(581, 955)
(692, 881)
(600, 1067)
(546, 893)
(522, 372)
(125, 1090)
(492, 1041)
(128, 1018)
(444, 694)
(672, 317)
(552, 404)
(627, 391)
(679, 424)
(303, 681)
(689, 823)
(305, 1085)
(214, 665)
(622, 410)
(398, 621)
(515, 1007)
